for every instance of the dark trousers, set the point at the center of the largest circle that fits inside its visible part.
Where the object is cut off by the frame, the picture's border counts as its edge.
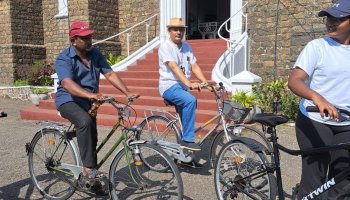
(318, 168)
(86, 132)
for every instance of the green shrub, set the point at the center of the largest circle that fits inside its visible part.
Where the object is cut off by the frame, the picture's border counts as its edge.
(242, 97)
(39, 73)
(40, 90)
(290, 105)
(276, 92)
(112, 60)
(42, 74)
(21, 82)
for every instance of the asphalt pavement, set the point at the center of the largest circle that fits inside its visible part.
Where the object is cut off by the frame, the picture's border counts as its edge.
(15, 182)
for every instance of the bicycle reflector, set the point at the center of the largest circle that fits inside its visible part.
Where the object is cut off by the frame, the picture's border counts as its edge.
(51, 142)
(138, 162)
(237, 159)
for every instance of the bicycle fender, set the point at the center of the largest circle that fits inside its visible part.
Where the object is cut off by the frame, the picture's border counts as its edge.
(138, 142)
(130, 143)
(251, 143)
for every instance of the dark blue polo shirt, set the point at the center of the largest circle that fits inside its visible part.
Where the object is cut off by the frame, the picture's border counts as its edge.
(69, 65)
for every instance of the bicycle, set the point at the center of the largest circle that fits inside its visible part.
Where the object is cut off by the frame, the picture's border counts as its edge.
(161, 128)
(242, 170)
(55, 165)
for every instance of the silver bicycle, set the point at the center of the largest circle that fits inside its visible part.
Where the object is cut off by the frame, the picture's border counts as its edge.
(164, 128)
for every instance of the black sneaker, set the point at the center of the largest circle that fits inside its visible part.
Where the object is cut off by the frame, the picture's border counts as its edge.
(193, 164)
(190, 146)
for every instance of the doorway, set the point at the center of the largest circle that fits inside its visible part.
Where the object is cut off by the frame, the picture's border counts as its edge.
(204, 17)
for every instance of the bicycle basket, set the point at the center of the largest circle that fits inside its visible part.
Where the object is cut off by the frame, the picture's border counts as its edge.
(235, 111)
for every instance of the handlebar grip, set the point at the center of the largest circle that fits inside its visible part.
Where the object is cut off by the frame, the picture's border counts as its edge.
(315, 109)
(312, 109)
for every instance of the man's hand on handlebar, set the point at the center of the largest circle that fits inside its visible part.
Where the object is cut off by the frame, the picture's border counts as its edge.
(132, 96)
(96, 96)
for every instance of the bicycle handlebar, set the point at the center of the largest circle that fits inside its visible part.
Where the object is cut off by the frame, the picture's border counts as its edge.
(342, 111)
(97, 103)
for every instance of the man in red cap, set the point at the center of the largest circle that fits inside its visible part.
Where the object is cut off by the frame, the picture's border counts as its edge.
(78, 69)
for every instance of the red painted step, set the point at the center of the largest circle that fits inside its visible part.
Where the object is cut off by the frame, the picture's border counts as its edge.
(156, 102)
(155, 67)
(150, 74)
(142, 77)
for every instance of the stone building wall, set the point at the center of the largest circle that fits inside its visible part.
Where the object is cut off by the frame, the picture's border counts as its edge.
(101, 15)
(6, 61)
(55, 30)
(103, 18)
(298, 24)
(22, 37)
(132, 12)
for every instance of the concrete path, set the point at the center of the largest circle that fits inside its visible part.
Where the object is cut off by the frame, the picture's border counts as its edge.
(15, 182)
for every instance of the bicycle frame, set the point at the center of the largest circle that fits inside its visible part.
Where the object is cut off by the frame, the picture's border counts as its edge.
(76, 170)
(176, 118)
(331, 182)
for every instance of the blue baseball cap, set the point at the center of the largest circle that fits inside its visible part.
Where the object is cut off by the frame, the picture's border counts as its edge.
(339, 9)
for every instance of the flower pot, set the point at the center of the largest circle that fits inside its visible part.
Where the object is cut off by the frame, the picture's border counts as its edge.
(35, 98)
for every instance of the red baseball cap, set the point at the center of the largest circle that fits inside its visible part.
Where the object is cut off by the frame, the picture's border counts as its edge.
(79, 29)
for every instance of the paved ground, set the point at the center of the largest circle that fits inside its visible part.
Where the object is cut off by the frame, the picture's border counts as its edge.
(15, 182)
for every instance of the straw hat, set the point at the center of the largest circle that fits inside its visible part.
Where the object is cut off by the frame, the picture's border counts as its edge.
(176, 22)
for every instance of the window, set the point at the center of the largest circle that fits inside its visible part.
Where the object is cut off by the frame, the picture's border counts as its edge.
(62, 9)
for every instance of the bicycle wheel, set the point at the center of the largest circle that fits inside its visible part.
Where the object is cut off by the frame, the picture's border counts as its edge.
(131, 178)
(48, 150)
(238, 174)
(158, 127)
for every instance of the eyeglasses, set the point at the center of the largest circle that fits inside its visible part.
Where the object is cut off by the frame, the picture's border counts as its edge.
(334, 20)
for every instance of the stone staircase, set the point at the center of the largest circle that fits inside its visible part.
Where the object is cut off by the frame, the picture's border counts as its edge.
(142, 77)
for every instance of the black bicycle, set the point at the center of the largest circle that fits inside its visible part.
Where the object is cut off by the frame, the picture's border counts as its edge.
(242, 170)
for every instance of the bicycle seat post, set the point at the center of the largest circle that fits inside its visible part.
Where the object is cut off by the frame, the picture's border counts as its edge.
(274, 138)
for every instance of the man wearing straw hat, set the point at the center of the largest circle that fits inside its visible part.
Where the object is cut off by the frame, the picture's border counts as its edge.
(177, 63)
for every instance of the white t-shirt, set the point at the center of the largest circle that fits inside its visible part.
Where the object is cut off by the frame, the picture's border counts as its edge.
(327, 63)
(184, 58)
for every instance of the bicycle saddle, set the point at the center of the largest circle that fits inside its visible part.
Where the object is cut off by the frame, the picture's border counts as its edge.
(270, 119)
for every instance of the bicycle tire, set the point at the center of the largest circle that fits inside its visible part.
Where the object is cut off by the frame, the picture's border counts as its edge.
(230, 168)
(157, 127)
(51, 183)
(151, 184)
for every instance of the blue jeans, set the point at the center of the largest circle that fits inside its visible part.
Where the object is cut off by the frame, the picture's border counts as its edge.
(186, 105)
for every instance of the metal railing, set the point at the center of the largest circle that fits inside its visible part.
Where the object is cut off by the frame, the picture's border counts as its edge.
(129, 30)
(231, 43)
(235, 58)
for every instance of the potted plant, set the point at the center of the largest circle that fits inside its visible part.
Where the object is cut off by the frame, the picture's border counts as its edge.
(39, 94)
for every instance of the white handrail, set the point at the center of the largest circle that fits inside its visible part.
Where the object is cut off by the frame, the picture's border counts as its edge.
(229, 41)
(224, 67)
(126, 30)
